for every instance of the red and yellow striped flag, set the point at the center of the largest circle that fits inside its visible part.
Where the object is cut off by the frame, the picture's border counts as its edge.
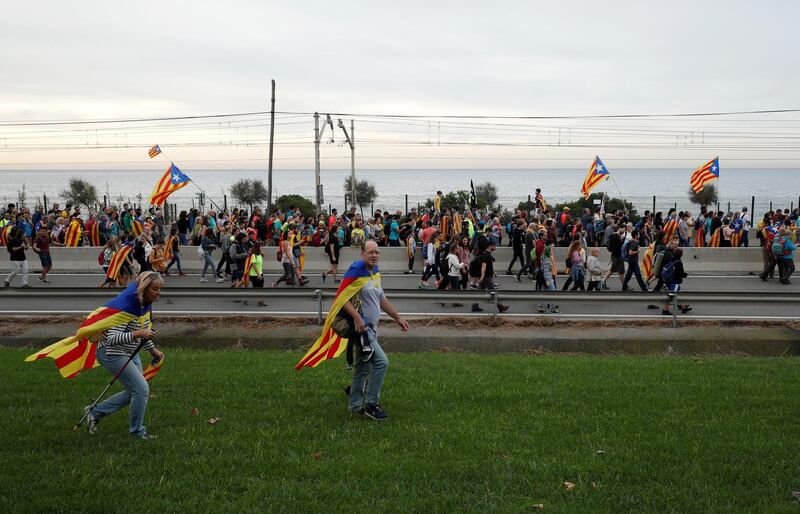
(670, 227)
(152, 368)
(137, 227)
(172, 180)
(75, 353)
(248, 263)
(597, 173)
(647, 261)
(94, 234)
(706, 173)
(5, 234)
(117, 261)
(699, 236)
(73, 234)
(330, 345)
(715, 238)
(168, 248)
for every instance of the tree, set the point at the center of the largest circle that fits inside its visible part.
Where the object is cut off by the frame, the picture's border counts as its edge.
(611, 205)
(365, 191)
(249, 191)
(485, 194)
(452, 200)
(285, 202)
(708, 196)
(80, 192)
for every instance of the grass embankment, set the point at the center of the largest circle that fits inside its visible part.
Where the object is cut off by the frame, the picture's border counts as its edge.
(476, 433)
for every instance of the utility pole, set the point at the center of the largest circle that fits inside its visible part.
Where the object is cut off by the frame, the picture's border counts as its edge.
(317, 137)
(351, 141)
(271, 139)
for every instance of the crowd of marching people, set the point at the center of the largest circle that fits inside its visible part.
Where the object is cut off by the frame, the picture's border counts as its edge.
(456, 245)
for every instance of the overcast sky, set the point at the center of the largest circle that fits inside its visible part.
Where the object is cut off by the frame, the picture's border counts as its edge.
(101, 60)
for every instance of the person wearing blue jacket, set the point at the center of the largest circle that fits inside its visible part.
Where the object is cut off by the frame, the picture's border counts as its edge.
(786, 260)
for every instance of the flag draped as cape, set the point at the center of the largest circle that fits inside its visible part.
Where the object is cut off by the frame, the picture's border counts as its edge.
(330, 345)
(75, 353)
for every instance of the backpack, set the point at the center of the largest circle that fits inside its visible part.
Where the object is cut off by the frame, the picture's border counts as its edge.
(778, 245)
(441, 258)
(668, 272)
(625, 256)
(101, 259)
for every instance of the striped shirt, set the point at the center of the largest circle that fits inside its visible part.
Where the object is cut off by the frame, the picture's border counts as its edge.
(119, 340)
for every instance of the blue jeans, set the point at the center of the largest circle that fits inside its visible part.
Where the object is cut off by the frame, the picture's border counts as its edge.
(375, 369)
(136, 392)
(208, 263)
(176, 259)
(182, 238)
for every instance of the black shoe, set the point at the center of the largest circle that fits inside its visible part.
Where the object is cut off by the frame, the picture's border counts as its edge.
(25, 286)
(476, 308)
(501, 307)
(375, 412)
(763, 277)
(517, 278)
(471, 286)
(666, 313)
(685, 309)
(324, 275)
(6, 284)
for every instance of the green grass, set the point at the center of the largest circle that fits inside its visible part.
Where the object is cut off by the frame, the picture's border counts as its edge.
(469, 433)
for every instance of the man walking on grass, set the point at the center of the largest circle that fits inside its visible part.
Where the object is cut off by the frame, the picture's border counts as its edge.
(370, 360)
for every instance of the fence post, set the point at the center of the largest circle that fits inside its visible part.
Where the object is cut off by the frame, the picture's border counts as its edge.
(770, 205)
(225, 203)
(674, 309)
(406, 205)
(752, 211)
(729, 206)
(654, 205)
(45, 202)
(318, 295)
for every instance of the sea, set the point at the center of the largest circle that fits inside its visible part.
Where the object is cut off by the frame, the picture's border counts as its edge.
(770, 187)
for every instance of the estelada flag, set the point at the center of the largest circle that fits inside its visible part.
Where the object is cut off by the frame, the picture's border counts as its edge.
(155, 150)
(152, 368)
(75, 353)
(706, 173)
(117, 261)
(597, 173)
(172, 180)
(330, 345)
(73, 234)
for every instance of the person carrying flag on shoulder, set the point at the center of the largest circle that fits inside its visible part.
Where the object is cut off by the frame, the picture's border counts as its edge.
(123, 327)
(361, 297)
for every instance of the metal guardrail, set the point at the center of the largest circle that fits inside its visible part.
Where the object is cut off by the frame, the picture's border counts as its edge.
(492, 297)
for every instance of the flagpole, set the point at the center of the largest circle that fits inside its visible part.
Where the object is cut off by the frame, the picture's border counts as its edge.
(619, 191)
(212, 202)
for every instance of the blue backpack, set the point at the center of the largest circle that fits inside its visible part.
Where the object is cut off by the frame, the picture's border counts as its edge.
(668, 272)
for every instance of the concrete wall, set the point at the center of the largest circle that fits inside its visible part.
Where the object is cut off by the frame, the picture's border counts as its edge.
(703, 260)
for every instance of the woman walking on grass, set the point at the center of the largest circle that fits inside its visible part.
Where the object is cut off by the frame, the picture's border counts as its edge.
(116, 346)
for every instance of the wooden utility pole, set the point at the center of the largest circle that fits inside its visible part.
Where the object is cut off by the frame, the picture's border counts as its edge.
(271, 139)
(316, 161)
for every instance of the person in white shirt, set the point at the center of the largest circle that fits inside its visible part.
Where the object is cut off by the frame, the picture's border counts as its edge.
(454, 267)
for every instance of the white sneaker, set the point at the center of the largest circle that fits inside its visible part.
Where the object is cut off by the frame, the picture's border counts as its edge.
(91, 421)
(220, 280)
(203, 279)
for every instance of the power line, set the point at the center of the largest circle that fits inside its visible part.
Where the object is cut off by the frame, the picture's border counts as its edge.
(400, 116)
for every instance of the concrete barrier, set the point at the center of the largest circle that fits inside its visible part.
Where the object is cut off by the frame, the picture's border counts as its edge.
(394, 260)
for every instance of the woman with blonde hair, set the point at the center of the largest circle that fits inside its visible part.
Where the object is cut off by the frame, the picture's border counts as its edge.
(118, 345)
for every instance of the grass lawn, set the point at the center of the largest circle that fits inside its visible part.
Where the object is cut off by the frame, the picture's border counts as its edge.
(468, 433)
